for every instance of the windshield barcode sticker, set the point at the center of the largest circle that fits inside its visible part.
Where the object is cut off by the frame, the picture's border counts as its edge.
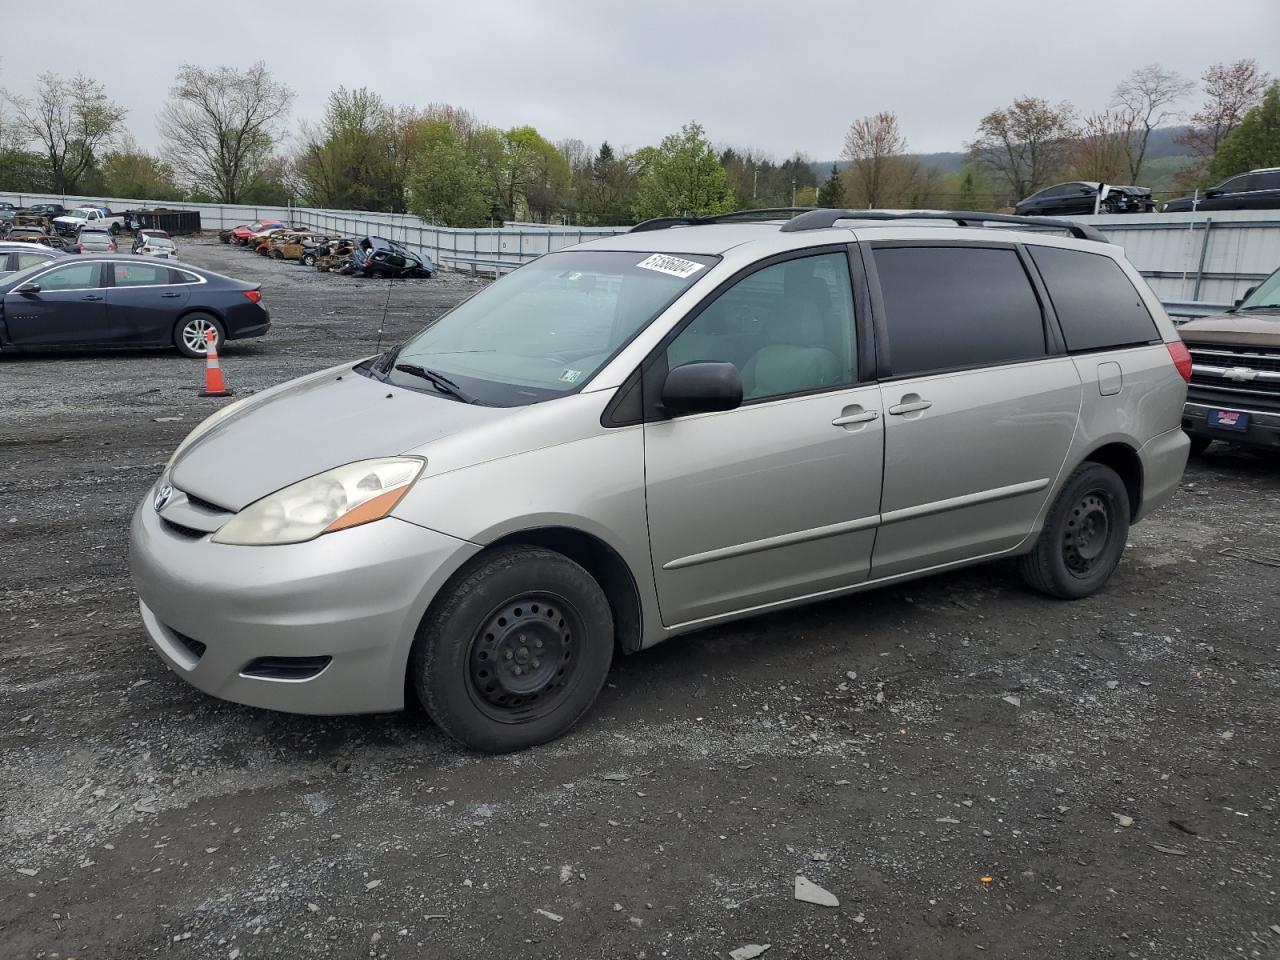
(675, 266)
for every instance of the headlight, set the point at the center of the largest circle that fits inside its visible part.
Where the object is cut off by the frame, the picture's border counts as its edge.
(203, 427)
(343, 497)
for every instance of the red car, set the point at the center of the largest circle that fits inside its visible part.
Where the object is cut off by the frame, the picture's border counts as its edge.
(240, 235)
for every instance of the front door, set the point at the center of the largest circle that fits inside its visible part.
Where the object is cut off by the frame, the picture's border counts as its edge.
(979, 410)
(70, 308)
(777, 499)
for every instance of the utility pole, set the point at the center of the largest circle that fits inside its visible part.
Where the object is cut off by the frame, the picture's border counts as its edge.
(793, 191)
(755, 179)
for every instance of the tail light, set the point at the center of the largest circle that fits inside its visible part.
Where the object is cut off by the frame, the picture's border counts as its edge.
(254, 295)
(1181, 358)
(111, 248)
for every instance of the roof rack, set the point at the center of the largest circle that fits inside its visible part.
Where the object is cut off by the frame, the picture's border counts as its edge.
(821, 218)
(757, 213)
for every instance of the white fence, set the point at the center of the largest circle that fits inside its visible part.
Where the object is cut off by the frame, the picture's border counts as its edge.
(1194, 261)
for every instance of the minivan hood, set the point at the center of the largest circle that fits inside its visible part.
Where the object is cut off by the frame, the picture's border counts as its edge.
(312, 425)
(1254, 328)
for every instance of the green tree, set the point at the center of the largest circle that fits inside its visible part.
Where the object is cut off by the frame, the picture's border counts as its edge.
(445, 186)
(349, 162)
(1254, 143)
(831, 193)
(134, 173)
(681, 177)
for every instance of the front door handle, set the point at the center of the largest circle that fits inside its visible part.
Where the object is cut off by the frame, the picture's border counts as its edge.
(170, 294)
(859, 416)
(909, 405)
(91, 296)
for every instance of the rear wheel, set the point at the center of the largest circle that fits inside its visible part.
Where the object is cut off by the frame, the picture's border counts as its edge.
(515, 650)
(190, 335)
(1083, 537)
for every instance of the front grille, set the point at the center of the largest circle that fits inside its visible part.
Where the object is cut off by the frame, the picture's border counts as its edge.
(1240, 375)
(193, 646)
(191, 533)
(205, 504)
(285, 668)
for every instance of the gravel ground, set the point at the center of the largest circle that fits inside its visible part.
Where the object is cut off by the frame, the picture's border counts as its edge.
(973, 770)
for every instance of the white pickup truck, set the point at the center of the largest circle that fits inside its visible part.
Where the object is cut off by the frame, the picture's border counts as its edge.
(95, 218)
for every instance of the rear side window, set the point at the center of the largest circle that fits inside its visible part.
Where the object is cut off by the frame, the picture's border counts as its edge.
(1097, 305)
(960, 306)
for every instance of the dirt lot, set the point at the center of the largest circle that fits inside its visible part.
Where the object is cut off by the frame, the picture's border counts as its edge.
(1113, 765)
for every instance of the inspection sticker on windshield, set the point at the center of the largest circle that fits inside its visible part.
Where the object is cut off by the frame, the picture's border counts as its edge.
(570, 376)
(672, 265)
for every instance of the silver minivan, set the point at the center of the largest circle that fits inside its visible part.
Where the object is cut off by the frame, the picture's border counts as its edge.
(647, 434)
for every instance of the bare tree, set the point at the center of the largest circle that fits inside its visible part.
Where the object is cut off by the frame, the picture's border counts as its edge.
(1099, 151)
(874, 147)
(1145, 100)
(1024, 144)
(220, 125)
(72, 120)
(1230, 91)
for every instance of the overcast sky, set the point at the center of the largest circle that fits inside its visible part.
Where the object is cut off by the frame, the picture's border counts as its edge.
(779, 75)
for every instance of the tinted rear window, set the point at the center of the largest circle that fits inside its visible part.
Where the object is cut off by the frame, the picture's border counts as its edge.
(1097, 305)
(957, 307)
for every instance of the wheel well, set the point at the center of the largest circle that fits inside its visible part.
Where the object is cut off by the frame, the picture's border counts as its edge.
(603, 563)
(1124, 460)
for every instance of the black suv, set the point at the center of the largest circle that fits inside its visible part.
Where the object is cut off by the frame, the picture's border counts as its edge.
(1255, 190)
(378, 255)
(1078, 197)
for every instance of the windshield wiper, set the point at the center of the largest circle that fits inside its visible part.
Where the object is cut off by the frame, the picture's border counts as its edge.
(1261, 306)
(437, 380)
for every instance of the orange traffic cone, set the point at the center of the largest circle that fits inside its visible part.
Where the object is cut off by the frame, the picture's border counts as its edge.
(214, 385)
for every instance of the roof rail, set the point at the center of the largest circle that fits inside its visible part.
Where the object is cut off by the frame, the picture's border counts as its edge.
(819, 219)
(756, 213)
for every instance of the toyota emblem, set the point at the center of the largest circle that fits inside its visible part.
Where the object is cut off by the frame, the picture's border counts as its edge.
(162, 497)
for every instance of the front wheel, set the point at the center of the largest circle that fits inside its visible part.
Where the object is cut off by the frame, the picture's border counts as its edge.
(192, 332)
(1083, 536)
(308, 259)
(514, 651)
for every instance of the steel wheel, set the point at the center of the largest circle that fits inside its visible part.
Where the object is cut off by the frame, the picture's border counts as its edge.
(1086, 534)
(521, 660)
(195, 334)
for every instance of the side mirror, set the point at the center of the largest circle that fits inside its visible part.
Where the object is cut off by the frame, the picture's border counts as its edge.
(27, 288)
(1247, 294)
(702, 388)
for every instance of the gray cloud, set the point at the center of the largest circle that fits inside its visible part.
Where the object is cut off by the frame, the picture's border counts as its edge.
(778, 76)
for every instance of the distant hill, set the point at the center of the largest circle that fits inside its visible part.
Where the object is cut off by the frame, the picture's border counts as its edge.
(1162, 146)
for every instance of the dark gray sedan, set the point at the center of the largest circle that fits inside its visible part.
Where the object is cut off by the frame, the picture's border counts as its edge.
(104, 300)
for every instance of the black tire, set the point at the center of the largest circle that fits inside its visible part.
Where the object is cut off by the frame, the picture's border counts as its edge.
(188, 325)
(1083, 537)
(514, 651)
(115, 229)
(1199, 444)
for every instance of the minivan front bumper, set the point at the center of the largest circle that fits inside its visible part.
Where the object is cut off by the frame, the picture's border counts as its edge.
(214, 612)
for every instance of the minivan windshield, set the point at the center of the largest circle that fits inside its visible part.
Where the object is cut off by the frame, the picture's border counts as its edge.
(544, 330)
(1266, 297)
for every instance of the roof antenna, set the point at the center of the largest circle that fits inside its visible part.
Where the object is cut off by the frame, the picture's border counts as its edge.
(385, 307)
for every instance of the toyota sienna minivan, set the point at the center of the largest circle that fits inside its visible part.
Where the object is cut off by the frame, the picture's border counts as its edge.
(650, 433)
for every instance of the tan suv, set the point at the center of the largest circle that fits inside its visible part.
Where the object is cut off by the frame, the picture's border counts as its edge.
(1235, 376)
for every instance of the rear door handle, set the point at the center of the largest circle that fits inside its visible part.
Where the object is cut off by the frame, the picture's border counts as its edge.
(170, 294)
(865, 416)
(910, 406)
(91, 296)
